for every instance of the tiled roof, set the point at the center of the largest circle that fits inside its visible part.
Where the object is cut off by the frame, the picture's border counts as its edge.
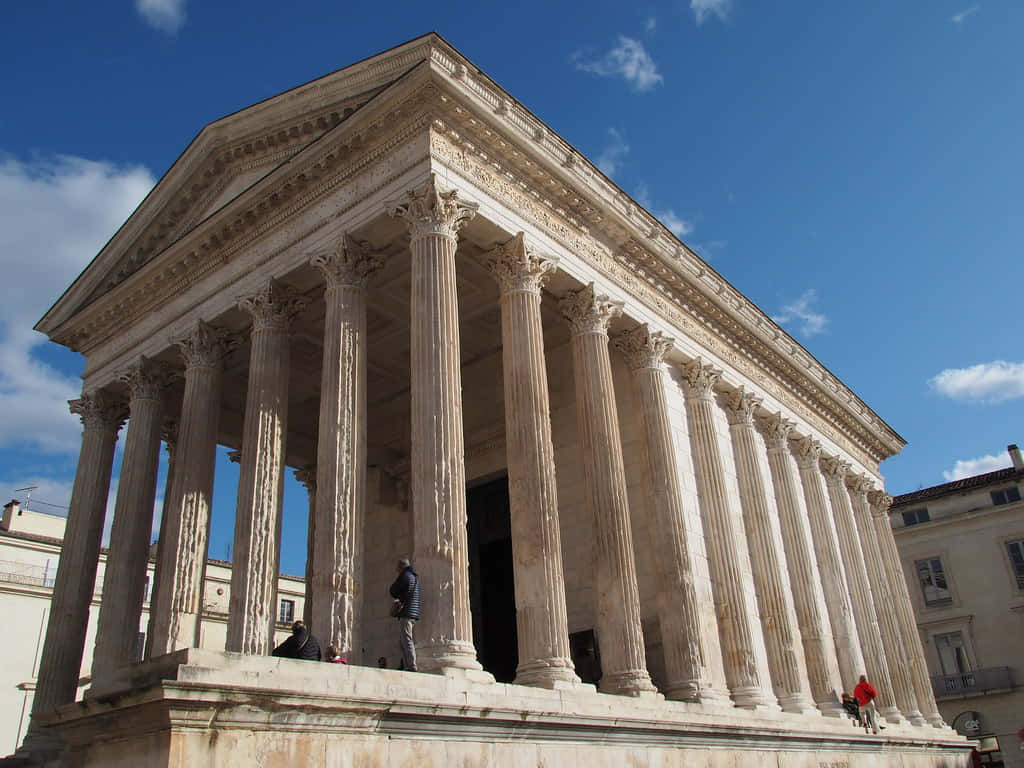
(957, 486)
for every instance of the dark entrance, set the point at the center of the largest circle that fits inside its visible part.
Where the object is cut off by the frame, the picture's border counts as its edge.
(492, 594)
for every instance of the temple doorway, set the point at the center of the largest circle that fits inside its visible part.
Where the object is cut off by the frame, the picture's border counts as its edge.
(491, 583)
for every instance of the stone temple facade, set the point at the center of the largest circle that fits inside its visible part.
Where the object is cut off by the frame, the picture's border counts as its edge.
(607, 465)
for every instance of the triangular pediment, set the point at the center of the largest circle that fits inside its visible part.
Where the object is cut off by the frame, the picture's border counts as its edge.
(228, 157)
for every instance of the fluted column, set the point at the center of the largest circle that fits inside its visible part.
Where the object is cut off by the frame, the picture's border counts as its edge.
(830, 563)
(124, 578)
(541, 624)
(778, 616)
(61, 662)
(884, 600)
(444, 635)
(808, 598)
(337, 571)
(169, 435)
(307, 476)
(686, 669)
(910, 638)
(835, 471)
(257, 542)
(619, 631)
(176, 607)
(734, 620)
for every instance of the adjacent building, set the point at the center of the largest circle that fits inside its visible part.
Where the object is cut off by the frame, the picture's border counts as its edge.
(30, 547)
(962, 549)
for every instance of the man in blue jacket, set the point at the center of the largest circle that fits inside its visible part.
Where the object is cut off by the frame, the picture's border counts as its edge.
(406, 593)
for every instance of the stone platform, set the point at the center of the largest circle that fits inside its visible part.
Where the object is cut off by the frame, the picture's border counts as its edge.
(197, 708)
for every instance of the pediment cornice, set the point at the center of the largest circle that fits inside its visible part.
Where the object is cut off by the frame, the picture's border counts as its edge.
(263, 135)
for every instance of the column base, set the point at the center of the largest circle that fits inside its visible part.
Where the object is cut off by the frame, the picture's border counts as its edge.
(892, 716)
(753, 698)
(797, 704)
(697, 692)
(635, 683)
(915, 718)
(830, 708)
(547, 673)
(41, 747)
(451, 655)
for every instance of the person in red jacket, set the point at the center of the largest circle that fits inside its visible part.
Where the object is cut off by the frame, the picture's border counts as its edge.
(866, 695)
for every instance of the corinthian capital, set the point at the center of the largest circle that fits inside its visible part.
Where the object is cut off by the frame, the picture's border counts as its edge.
(643, 348)
(273, 306)
(776, 429)
(427, 210)
(740, 406)
(349, 263)
(700, 378)
(146, 379)
(880, 502)
(859, 485)
(835, 469)
(307, 476)
(204, 347)
(518, 267)
(587, 312)
(808, 452)
(99, 410)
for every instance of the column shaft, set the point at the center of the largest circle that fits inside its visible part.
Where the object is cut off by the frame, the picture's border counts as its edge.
(860, 589)
(895, 653)
(909, 635)
(778, 616)
(619, 631)
(124, 578)
(307, 476)
(337, 571)
(176, 607)
(444, 634)
(804, 580)
(830, 565)
(686, 670)
(257, 542)
(734, 620)
(61, 661)
(541, 624)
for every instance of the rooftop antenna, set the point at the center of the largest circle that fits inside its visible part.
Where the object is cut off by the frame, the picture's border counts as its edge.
(28, 496)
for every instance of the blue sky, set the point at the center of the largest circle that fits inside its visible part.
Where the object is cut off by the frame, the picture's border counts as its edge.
(854, 168)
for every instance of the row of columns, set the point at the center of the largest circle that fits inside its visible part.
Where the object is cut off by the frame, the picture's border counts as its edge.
(811, 611)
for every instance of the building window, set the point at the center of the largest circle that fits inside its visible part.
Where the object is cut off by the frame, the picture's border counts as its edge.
(1006, 496)
(1016, 552)
(933, 582)
(952, 658)
(287, 613)
(915, 516)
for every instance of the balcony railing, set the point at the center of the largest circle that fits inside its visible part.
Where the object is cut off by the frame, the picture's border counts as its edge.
(20, 573)
(975, 681)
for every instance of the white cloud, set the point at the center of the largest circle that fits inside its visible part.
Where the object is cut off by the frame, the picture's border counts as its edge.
(978, 466)
(705, 9)
(50, 495)
(801, 314)
(611, 156)
(958, 18)
(676, 224)
(55, 215)
(650, 25)
(165, 15)
(987, 383)
(629, 60)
